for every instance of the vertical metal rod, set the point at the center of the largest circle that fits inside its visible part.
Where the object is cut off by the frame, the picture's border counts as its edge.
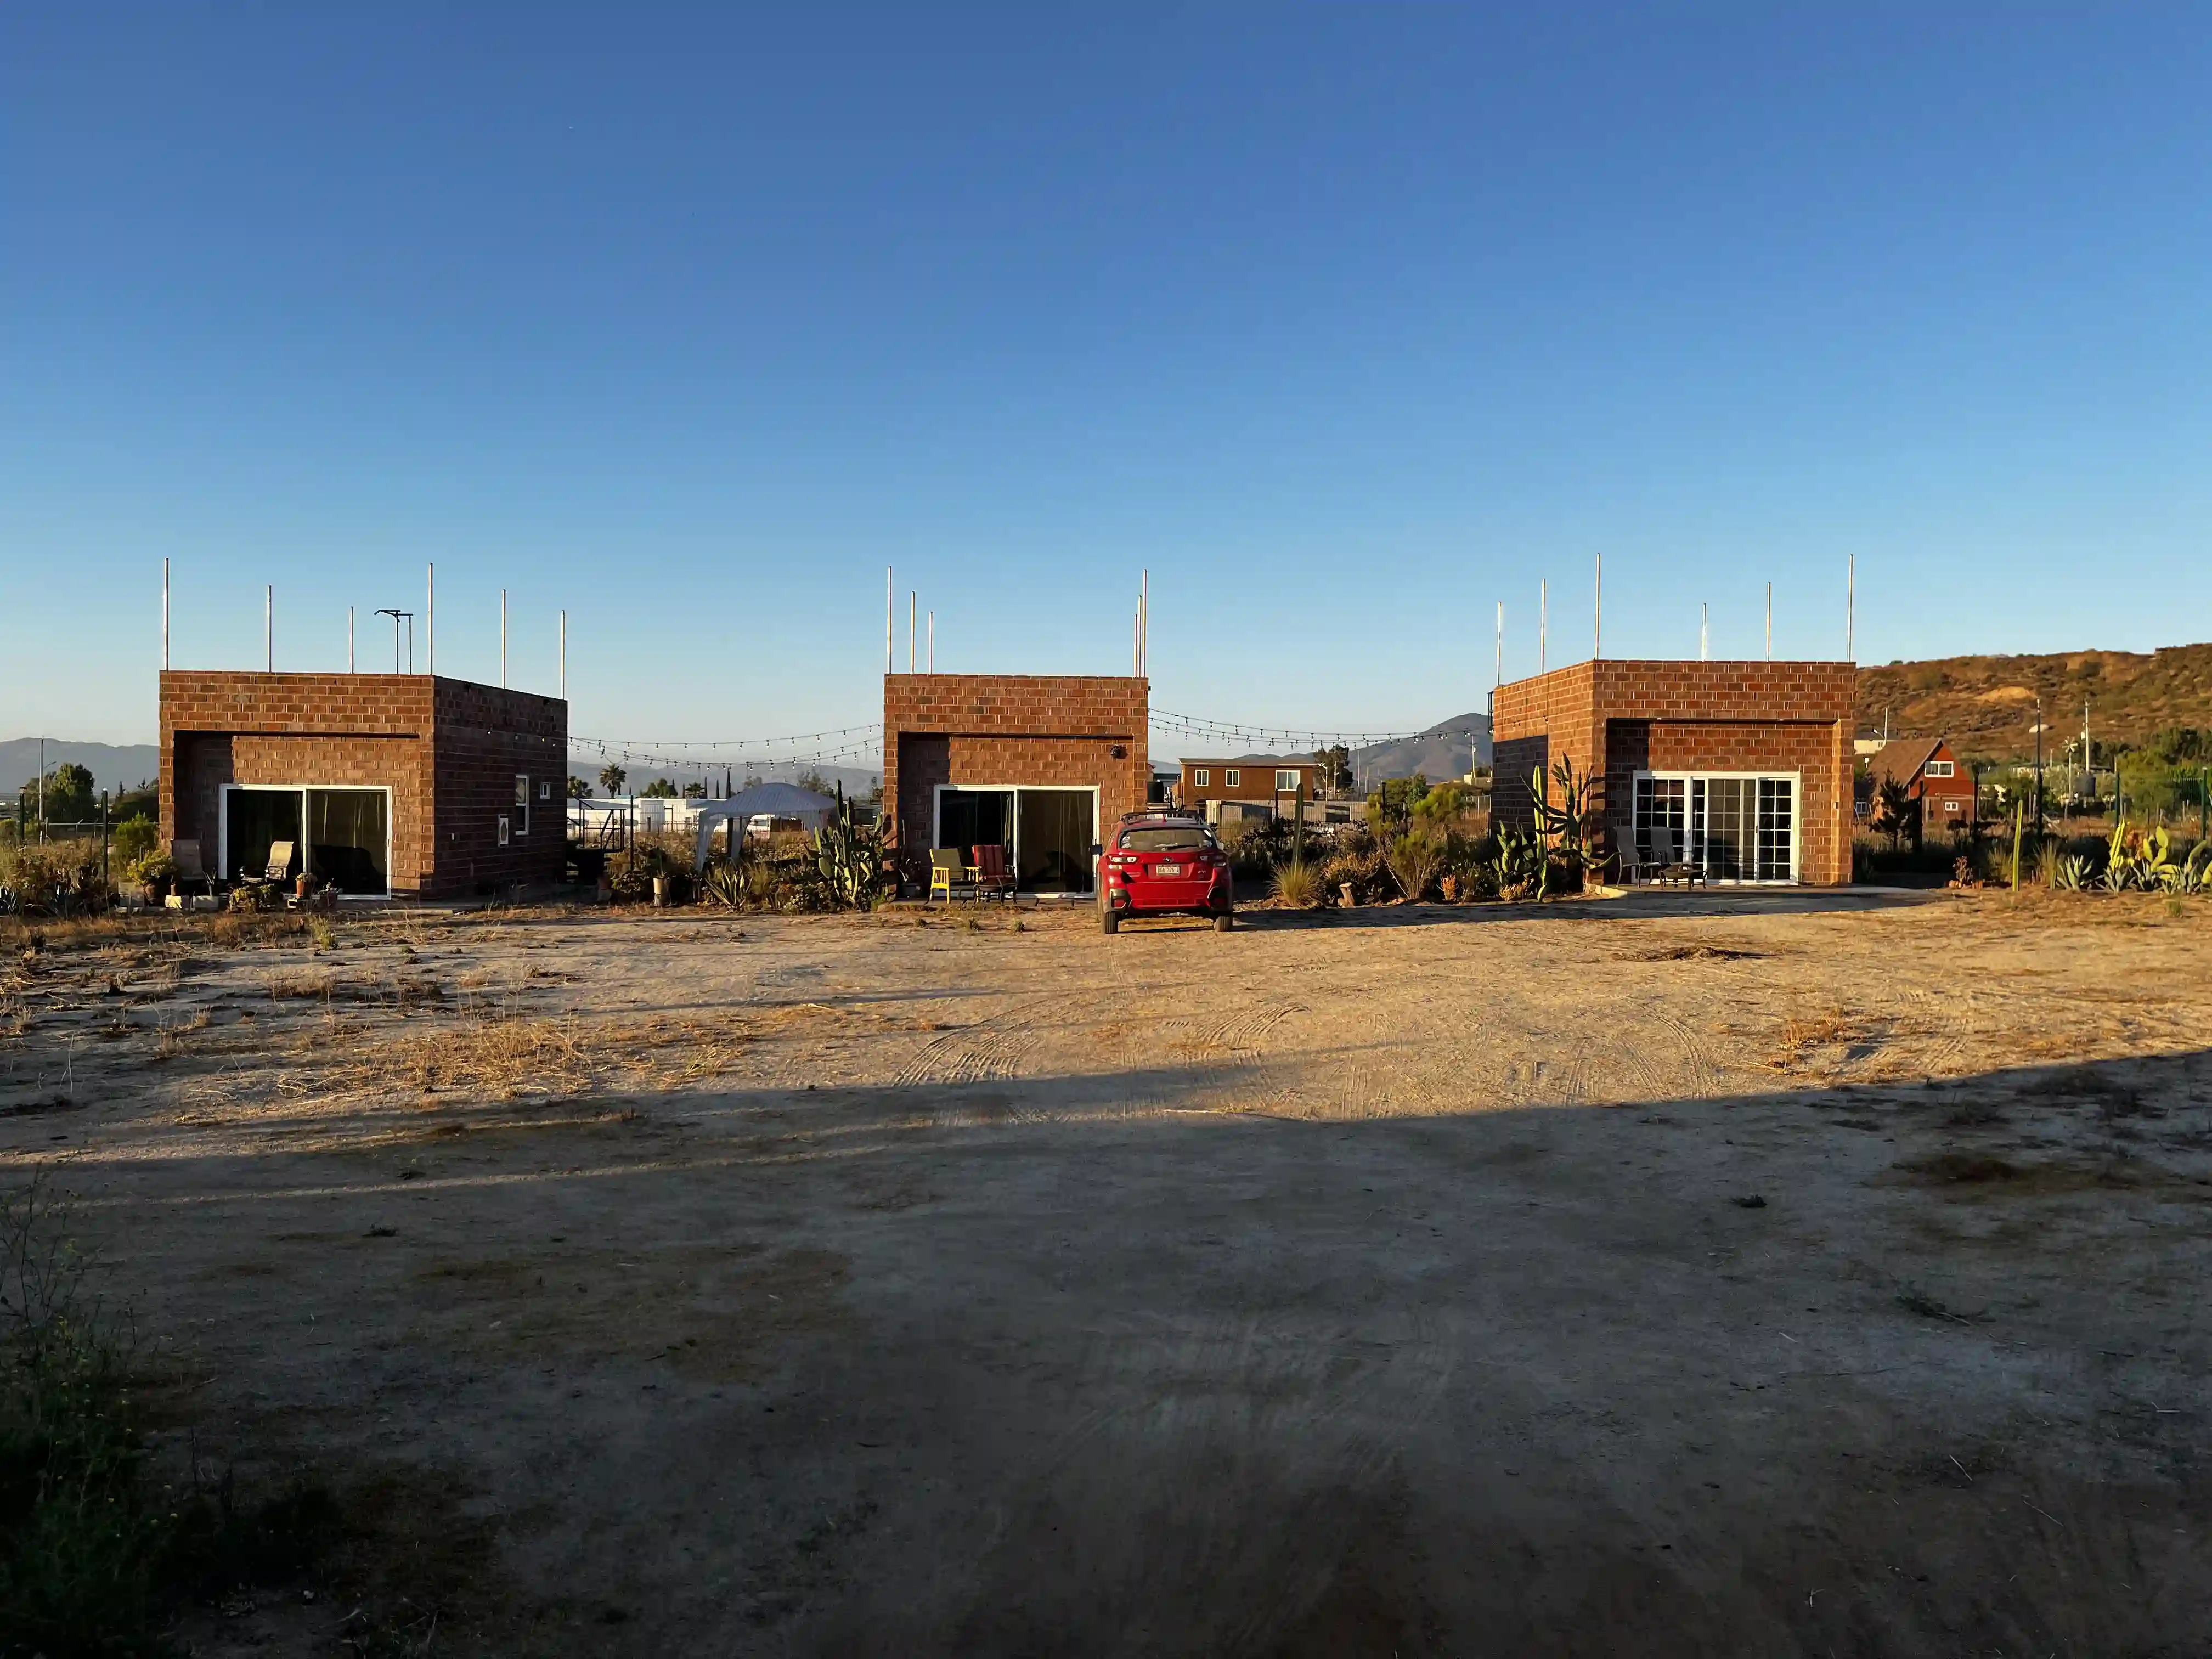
(933, 641)
(503, 639)
(1597, 615)
(910, 599)
(1501, 642)
(1144, 624)
(349, 639)
(268, 624)
(1851, 610)
(430, 623)
(564, 656)
(1543, 621)
(887, 619)
(1770, 622)
(1704, 631)
(165, 616)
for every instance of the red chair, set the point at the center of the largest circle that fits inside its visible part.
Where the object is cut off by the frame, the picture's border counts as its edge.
(992, 874)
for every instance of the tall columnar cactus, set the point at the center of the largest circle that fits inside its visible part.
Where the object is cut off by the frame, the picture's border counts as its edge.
(850, 856)
(1564, 823)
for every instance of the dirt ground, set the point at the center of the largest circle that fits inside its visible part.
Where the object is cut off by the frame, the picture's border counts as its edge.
(1778, 1274)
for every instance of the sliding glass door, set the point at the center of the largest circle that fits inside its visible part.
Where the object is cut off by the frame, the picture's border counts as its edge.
(1728, 827)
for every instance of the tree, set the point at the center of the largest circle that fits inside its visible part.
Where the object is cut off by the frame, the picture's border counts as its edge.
(579, 790)
(1335, 767)
(64, 795)
(1893, 811)
(612, 777)
(813, 779)
(658, 789)
(694, 791)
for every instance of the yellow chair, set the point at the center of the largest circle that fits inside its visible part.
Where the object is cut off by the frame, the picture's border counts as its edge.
(947, 873)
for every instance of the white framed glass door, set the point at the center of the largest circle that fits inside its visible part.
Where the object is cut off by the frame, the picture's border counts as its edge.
(1731, 826)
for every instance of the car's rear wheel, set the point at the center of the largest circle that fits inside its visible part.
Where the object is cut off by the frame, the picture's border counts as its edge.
(1108, 922)
(1222, 923)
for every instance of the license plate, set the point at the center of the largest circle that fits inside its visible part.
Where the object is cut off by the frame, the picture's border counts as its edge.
(1167, 869)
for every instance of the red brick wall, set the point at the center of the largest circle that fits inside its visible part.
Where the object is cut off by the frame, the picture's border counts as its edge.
(487, 737)
(444, 748)
(1617, 718)
(1048, 729)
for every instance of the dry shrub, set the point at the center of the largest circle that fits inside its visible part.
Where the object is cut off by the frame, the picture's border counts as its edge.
(1297, 884)
(502, 1057)
(300, 982)
(1802, 1035)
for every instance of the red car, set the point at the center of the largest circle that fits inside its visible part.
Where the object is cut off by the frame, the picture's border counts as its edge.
(1165, 863)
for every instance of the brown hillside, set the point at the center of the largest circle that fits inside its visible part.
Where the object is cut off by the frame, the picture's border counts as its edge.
(1986, 705)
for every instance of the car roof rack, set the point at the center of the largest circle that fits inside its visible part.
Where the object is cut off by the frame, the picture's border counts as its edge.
(1162, 810)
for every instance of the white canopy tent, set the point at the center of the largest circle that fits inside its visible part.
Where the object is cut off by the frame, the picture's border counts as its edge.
(782, 800)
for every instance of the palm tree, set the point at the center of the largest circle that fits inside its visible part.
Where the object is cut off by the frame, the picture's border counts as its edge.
(612, 777)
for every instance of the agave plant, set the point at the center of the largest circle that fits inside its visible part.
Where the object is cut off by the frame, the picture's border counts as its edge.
(724, 884)
(2194, 873)
(2069, 873)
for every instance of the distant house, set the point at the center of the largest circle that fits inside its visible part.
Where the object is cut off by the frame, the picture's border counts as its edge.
(1933, 779)
(1256, 777)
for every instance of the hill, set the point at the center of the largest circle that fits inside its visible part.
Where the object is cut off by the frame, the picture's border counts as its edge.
(116, 767)
(1986, 705)
(1449, 749)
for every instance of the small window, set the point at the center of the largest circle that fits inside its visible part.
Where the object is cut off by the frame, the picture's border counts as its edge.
(1231, 778)
(502, 829)
(1287, 782)
(1201, 777)
(545, 791)
(1939, 769)
(1951, 806)
(521, 805)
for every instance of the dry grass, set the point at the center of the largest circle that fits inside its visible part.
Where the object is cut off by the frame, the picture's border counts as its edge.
(1805, 1036)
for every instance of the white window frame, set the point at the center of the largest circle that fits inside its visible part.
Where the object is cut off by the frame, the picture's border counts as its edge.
(1202, 777)
(1231, 778)
(1014, 823)
(521, 805)
(307, 849)
(1796, 815)
(1937, 769)
(1291, 788)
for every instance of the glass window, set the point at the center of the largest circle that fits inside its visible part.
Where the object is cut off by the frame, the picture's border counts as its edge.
(521, 805)
(1660, 820)
(1232, 779)
(1201, 777)
(1287, 782)
(1940, 769)
(1164, 838)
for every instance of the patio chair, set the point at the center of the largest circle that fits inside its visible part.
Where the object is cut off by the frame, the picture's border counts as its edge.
(947, 873)
(190, 873)
(993, 876)
(280, 862)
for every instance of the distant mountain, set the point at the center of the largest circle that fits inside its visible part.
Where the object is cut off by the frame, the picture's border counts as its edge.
(1449, 749)
(114, 766)
(1986, 705)
(119, 767)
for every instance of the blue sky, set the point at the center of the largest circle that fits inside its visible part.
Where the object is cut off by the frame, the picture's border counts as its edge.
(1347, 322)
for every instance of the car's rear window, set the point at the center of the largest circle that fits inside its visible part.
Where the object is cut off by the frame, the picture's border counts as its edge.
(1164, 838)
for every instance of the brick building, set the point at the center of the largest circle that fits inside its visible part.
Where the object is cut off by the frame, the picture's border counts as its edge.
(1941, 789)
(385, 784)
(1038, 763)
(1262, 778)
(1743, 768)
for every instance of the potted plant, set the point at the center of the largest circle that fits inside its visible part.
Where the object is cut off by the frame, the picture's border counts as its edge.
(155, 874)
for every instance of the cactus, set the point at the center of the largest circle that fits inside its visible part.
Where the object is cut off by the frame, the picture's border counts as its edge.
(850, 856)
